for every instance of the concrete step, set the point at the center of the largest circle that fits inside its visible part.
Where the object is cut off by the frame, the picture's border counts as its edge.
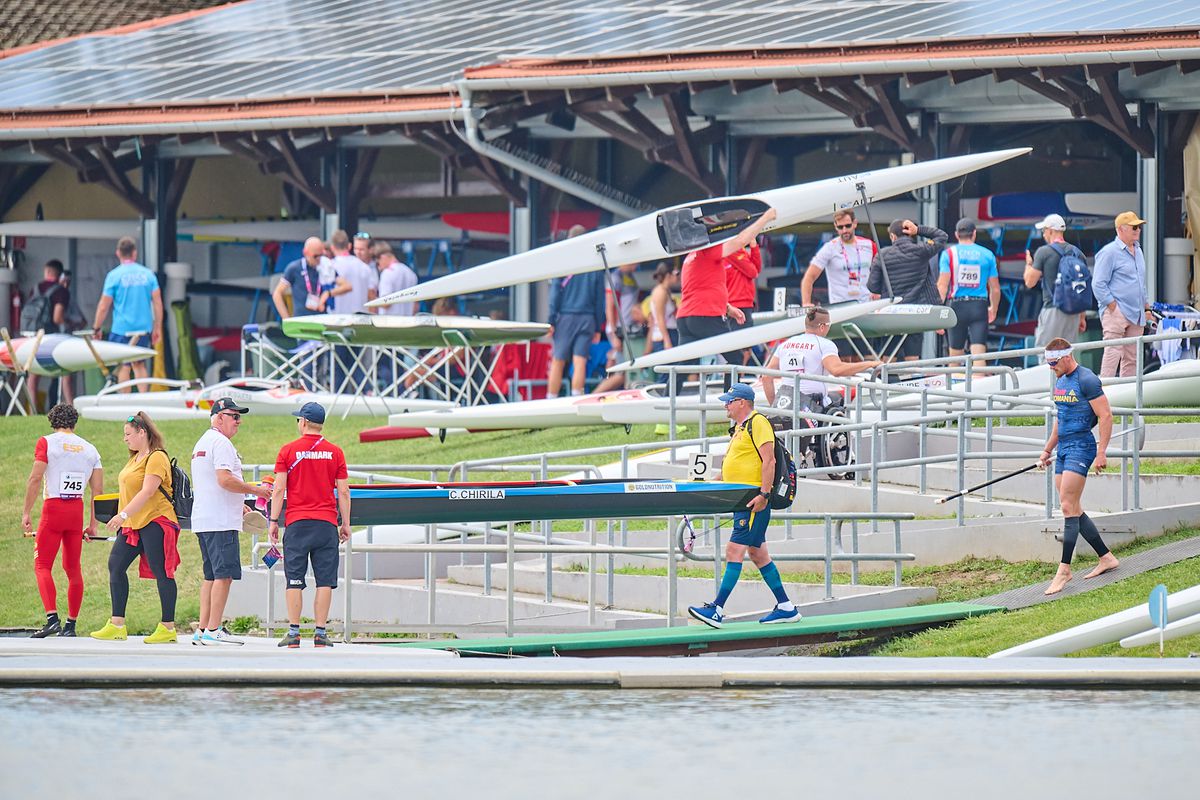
(1103, 492)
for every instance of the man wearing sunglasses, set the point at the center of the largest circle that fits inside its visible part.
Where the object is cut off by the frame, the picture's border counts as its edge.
(1081, 406)
(217, 511)
(1119, 283)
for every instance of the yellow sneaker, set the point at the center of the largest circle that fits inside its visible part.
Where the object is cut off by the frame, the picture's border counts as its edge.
(162, 635)
(110, 632)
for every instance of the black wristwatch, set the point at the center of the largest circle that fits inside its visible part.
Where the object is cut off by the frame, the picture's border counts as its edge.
(275, 519)
(765, 494)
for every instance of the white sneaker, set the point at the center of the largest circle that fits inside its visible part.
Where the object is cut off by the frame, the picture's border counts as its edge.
(218, 636)
(196, 636)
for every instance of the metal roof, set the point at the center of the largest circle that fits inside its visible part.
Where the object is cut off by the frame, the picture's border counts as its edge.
(269, 49)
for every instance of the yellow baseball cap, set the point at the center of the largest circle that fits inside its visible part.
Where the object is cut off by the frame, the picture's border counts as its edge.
(1128, 218)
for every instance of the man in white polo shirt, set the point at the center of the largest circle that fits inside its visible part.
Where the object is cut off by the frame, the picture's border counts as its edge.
(846, 261)
(217, 512)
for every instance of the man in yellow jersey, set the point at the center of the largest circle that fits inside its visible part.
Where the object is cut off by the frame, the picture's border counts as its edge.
(749, 459)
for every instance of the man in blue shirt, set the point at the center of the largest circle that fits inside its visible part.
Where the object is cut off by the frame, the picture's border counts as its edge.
(302, 280)
(131, 292)
(1081, 405)
(577, 315)
(968, 278)
(1119, 283)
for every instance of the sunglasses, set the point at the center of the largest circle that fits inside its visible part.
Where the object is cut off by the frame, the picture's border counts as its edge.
(136, 422)
(236, 417)
(362, 235)
(845, 227)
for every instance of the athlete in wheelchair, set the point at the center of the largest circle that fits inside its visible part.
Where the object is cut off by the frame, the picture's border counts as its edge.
(811, 353)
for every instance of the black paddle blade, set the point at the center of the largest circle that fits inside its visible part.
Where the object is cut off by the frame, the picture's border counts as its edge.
(699, 225)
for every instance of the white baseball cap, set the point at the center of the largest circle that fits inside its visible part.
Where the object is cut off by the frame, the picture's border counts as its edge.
(1052, 221)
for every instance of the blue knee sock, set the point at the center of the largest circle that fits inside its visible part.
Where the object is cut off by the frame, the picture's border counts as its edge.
(770, 575)
(733, 571)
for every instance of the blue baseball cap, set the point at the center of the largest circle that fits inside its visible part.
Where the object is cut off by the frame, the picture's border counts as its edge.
(313, 412)
(739, 391)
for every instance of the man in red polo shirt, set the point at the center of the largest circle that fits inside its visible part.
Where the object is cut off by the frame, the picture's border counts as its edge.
(308, 470)
(705, 303)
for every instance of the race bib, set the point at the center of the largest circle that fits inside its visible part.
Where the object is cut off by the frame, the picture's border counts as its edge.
(968, 276)
(70, 484)
(312, 302)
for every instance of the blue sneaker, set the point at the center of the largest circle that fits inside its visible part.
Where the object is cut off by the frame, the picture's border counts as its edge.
(779, 615)
(709, 613)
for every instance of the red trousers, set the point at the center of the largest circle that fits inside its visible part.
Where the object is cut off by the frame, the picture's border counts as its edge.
(61, 524)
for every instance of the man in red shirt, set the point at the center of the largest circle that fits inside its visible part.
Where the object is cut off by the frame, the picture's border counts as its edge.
(311, 468)
(741, 282)
(705, 302)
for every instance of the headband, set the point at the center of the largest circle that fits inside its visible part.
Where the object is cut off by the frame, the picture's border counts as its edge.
(1054, 355)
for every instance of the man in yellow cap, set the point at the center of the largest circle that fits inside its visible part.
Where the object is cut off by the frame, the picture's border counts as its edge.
(1119, 283)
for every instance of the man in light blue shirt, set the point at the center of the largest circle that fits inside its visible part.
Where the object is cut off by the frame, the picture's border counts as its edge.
(131, 292)
(968, 278)
(1119, 283)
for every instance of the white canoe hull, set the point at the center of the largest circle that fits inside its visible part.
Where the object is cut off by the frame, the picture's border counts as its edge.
(1105, 630)
(643, 238)
(741, 339)
(61, 354)
(548, 413)
(1175, 630)
(279, 401)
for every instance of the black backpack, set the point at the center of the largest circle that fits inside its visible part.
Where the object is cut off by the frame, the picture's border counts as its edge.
(182, 484)
(1072, 293)
(38, 313)
(783, 489)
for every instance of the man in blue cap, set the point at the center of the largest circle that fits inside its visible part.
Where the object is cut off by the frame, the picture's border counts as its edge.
(749, 459)
(307, 471)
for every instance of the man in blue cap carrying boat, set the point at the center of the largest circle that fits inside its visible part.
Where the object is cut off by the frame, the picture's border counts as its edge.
(749, 459)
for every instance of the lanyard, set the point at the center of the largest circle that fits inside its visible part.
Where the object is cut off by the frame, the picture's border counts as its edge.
(300, 455)
(852, 274)
(307, 281)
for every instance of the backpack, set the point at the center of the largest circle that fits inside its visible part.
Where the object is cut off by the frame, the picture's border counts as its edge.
(38, 313)
(783, 489)
(1072, 293)
(182, 484)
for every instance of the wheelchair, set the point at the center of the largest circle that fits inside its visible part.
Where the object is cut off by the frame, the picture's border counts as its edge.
(831, 451)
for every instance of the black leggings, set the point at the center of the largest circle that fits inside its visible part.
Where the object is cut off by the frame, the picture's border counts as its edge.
(693, 329)
(150, 542)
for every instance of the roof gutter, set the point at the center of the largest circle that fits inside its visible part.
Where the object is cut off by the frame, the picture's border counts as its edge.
(229, 125)
(771, 71)
(563, 184)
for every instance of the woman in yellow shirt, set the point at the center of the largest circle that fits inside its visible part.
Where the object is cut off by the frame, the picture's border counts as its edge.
(148, 528)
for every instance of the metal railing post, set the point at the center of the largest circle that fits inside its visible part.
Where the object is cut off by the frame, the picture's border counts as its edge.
(1137, 421)
(988, 447)
(1049, 469)
(962, 467)
(828, 558)
(432, 612)
(875, 475)
(546, 533)
(349, 590)
(487, 561)
(922, 440)
(672, 576)
(510, 566)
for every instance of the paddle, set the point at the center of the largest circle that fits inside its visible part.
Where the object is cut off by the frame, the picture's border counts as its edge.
(985, 484)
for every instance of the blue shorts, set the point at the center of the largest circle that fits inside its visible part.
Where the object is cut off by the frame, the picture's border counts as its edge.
(1075, 455)
(220, 555)
(126, 338)
(750, 527)
(573, 334)
(312, 540)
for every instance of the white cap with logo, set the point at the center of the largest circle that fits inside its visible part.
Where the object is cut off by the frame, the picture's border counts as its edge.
(1052, 221)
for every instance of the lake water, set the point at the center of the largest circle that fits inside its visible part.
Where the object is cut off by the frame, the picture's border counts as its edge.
(415, 743)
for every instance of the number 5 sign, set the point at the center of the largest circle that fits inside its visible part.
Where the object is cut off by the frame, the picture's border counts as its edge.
(701, 465)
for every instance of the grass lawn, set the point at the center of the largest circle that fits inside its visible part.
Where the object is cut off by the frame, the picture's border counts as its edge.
(258, 442)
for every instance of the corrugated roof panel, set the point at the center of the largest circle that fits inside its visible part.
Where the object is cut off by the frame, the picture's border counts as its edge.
(275, 48)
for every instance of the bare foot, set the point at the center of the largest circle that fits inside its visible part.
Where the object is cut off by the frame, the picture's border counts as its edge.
(1108, 562)
(1061, 579)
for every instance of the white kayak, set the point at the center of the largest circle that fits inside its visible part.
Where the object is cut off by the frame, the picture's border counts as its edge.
(547, 413)
(693, 226)
(417, 330)
(746, 337)
(1105, 630)
(62, 353)
(261, 397)
(1184, 627)
(1174, 384)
